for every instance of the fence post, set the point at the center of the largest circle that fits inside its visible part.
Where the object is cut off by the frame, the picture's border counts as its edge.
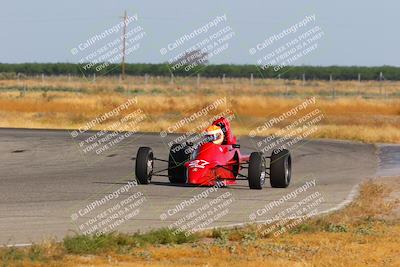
(146, 78)
(251, 79)
(94, 77)
(304, 79)
(172, 78)
(198, 80)
(223, 78)
(333, 87)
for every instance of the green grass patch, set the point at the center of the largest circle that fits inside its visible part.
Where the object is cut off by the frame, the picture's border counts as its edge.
(44, 89)
(119, 89)
(8, 255)
(337, 228)
(13, 255)
(93, 244)
(137, 91)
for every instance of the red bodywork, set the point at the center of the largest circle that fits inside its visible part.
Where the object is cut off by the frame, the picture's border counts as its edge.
(211, 163)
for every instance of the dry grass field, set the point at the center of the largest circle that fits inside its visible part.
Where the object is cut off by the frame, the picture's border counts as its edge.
(184, 85)
(366, 111)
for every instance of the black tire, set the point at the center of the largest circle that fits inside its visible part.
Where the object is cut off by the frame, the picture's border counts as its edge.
(256, 174)
(144, 165)
(281, 169)
(177, 172)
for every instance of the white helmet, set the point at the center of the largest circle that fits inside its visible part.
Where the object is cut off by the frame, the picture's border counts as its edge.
(214, 134)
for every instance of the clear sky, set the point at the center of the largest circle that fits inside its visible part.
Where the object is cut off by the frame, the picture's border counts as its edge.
(355, 32)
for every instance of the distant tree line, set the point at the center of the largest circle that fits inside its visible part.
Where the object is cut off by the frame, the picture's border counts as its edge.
(237, 71)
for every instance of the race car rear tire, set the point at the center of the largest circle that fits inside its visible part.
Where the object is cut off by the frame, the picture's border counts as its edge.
(177, 157)
(144, 165)
(256, 174)
(280, 169)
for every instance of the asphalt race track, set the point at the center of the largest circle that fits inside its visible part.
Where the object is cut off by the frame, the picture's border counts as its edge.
(47, 182)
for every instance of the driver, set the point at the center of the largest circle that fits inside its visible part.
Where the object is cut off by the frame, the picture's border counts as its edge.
(229, 138)
(214, 134)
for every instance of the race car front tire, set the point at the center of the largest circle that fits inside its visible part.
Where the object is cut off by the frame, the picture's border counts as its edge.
(256, 174)
(280, 169)
(178, 155)
(144, 165)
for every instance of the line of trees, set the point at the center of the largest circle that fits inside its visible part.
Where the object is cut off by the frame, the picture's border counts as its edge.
(290, 72)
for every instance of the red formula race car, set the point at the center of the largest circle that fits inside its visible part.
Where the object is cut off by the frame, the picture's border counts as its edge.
(208, 163)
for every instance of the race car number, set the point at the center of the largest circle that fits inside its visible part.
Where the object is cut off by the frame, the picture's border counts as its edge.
(198, 163)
